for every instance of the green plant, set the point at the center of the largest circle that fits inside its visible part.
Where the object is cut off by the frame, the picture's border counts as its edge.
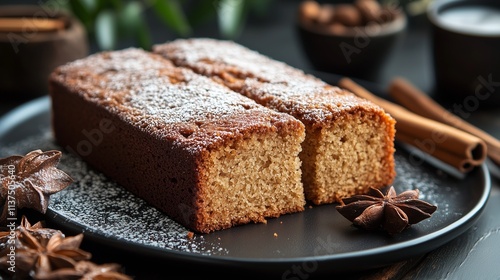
(108, 21)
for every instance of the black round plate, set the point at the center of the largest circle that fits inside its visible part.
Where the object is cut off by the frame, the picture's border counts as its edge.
(316, 241)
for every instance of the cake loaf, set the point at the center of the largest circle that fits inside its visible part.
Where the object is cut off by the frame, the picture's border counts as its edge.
(349, 144)
(206, 156)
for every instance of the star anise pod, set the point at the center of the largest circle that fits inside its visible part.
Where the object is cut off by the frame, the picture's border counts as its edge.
(108, 271)
(391, 212)
(41, 233)
(34, 257)
(44, 253)
(28, 181)
(86, 270)
(4, 244)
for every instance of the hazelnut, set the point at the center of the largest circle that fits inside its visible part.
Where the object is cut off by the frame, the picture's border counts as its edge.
(309, 11)
(370, 10)
(326, 14)
(348, 15)
(336, 28)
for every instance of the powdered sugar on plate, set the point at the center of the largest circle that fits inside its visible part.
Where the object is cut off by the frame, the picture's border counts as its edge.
(430, 185)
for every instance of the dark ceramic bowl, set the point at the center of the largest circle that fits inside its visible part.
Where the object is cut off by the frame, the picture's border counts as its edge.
(360, 52)
(466, 52)
(30, 55)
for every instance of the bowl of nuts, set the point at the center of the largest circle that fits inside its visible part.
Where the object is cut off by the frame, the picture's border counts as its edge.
(349, 39)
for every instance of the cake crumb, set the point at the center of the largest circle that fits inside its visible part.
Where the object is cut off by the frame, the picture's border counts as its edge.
(190, 235)
(275, 234)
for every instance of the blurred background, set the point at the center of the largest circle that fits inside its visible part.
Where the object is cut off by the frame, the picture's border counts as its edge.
(113, 24)
(267, 26)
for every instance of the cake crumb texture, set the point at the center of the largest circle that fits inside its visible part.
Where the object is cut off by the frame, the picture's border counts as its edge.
(349, 144)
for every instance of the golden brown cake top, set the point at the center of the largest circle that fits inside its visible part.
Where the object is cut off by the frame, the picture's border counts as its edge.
(273, 83)
(149, 92)
(216, 56)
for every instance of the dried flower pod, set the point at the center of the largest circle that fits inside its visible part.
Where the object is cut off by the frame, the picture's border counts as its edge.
(390, 212)
(86, 270)
(45, 253)
(28, 181)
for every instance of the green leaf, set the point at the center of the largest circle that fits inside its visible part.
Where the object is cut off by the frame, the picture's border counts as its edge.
(82, 13)
(132, 24)
(89, 5)
(143, 36)
(130, 16)
(170, 11)
(106, 30)
(116, 4)
(260, 7)
(109, 4)
(203, 11)
(231, 15)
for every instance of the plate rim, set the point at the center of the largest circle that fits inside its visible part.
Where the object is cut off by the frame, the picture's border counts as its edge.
(432, 240)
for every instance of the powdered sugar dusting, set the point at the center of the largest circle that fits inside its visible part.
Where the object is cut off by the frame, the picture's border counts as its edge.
(250, 63)
(197, 99)
(152, 94)
(269, 81)
(430, 185)
(113, 61)
(103, 207)
(153, 87)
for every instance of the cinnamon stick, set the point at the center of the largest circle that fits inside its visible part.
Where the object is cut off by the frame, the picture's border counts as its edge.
(30, 24)
(462, 164)
(418, 102)
(449, 144)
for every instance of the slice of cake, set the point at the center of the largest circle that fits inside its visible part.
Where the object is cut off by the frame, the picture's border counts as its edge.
(349, 145)
(208, 157)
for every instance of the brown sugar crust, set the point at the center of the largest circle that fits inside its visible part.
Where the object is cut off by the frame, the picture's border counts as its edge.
(335, 119)
(178, 139)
